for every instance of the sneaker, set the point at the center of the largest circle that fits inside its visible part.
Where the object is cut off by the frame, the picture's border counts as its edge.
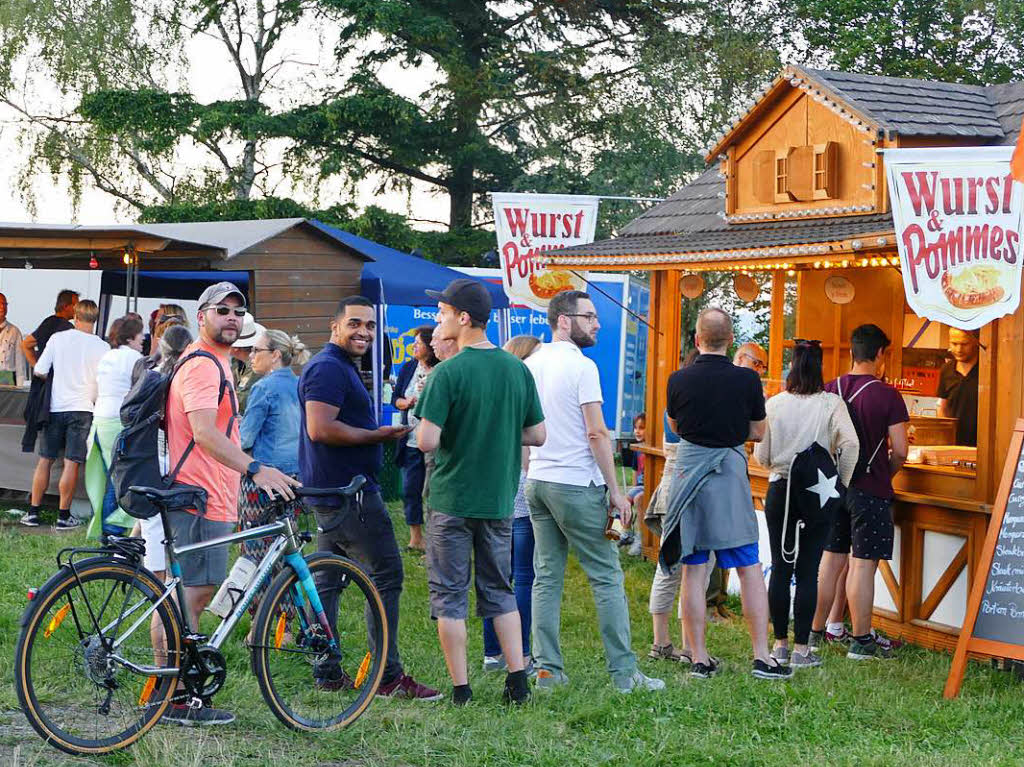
(626, 539)
(843, 637)
(667, 652)
(870, 650)
(549, 680)
(72, 523)
(331, 679)
(30, 520)
(494, 663)
(404, 686)
(516, 695)
(781, 655)
(203, 716)
(635, 548)
(763, 670)
(816, 640)
(809, 659)
(639, 681)
(706, 670)
(886, 642)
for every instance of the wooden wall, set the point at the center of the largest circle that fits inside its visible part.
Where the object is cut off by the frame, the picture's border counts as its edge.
(298, 278)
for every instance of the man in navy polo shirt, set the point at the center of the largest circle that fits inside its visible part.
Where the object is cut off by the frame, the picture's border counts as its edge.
(340, 440)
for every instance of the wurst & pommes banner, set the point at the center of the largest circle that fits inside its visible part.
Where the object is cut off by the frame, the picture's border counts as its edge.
(530, 224)
(957, 215)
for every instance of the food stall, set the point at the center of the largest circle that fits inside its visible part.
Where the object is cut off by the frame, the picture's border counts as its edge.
(796, 198)
(150, 259)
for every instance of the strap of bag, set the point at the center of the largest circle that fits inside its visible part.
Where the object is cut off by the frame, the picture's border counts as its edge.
(108, 470)
(224, 388)
(839, 386)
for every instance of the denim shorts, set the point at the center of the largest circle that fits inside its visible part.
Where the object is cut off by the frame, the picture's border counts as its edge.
(68, 433)
(740, 556)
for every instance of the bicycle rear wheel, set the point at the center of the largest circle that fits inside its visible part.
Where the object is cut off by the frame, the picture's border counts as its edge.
(72, 688)
(306, 684)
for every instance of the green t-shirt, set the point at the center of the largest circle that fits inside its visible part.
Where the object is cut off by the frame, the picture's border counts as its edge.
(482, 399)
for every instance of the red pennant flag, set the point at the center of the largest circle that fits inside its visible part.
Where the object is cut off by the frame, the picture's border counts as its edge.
(1017, 161)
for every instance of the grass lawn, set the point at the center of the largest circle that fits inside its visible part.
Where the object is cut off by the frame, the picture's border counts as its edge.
(879, 713)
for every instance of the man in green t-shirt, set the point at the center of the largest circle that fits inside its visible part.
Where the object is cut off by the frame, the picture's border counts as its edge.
(477, 410)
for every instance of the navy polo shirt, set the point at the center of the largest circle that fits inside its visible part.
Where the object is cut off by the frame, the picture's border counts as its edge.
(331, 377)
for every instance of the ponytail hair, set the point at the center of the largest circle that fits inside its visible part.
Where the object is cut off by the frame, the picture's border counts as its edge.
(293, 351)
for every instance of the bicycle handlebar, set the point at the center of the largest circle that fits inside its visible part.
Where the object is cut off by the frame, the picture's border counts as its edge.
(351, 488)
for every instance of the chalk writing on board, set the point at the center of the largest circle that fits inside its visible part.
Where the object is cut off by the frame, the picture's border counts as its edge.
(1001, 615)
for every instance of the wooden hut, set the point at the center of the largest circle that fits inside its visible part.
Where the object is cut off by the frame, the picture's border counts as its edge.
(796, 188)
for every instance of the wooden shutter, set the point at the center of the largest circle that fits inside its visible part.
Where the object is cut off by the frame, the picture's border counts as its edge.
(801, 172)
(764, 176)
(827, 156)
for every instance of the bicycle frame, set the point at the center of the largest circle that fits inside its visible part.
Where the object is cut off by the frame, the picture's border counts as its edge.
(287, 545)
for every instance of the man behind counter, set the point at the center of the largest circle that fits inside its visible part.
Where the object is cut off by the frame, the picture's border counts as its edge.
(958, 385)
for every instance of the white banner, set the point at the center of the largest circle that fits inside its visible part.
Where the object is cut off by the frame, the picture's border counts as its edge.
(530, 224)
(958, 220)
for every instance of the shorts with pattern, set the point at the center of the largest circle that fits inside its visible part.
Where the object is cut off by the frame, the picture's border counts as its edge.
(863, 523)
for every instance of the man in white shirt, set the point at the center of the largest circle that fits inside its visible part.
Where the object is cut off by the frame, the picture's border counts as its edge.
(12, 358)
(570, 483)
(73, 357)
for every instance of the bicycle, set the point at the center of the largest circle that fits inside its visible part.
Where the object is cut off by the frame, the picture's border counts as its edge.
(98, 682)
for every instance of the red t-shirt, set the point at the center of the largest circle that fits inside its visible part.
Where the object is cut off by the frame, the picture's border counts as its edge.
(196, 387)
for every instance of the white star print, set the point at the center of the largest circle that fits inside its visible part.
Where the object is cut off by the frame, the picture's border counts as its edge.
(825, 488)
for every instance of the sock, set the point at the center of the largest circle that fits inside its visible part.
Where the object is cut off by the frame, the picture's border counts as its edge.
(64, 514)
(461, 694)
(834, 628)
(866, 639)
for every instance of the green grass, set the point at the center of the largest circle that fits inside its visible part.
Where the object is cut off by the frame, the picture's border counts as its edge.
(842, 714)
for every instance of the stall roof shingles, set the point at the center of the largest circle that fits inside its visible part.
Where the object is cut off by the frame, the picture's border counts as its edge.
(694, 207)
(1008, 103)
(916, 107)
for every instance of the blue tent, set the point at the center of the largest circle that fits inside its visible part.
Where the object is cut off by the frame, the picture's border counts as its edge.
(400, 279)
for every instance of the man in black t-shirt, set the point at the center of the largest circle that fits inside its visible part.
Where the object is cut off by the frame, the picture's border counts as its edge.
(34, 343)
(958, 385)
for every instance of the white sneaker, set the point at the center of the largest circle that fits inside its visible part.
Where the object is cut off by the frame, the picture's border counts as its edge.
(640, 682)
(635, 548)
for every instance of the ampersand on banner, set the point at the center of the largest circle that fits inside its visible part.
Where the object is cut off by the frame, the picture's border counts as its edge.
(934, 222)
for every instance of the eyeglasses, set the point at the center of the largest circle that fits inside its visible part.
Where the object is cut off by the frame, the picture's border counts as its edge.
(255, 349)
(589, 316)
(758, 365)
(223, 311)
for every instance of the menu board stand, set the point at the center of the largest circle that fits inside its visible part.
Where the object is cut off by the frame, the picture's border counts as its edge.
(994, 622)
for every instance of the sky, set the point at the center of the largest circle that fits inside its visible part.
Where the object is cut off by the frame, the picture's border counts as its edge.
(211, 76)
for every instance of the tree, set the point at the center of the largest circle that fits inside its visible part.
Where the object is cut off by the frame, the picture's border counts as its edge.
(100, 88)
(506, 75)
(968, 41)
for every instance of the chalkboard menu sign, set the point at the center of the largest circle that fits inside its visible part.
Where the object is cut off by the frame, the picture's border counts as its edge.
(994, 623)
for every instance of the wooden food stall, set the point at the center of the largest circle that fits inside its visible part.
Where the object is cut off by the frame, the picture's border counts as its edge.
(268, 252)
(796, 197)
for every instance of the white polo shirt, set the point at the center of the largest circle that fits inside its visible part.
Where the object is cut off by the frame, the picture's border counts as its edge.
(565, 380)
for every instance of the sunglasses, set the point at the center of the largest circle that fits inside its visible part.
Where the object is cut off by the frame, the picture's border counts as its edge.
(223, 311)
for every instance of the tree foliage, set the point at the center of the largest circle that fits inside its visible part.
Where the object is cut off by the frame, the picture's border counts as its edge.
(969, 41)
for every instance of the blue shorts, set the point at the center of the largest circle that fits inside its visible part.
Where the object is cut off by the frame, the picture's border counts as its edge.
(740, 556)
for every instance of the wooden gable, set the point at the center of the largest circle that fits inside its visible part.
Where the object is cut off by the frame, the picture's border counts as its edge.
(798, 158)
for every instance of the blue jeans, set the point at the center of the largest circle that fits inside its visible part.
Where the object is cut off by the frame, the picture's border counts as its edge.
(522, 582)
(413, 474)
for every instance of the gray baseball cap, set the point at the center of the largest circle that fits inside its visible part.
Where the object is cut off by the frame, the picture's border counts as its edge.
(214, 294)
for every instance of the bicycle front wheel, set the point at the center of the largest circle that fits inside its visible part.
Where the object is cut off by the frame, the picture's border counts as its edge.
(308, 684)
(71, 679)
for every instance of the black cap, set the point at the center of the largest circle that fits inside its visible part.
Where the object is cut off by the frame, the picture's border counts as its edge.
(466, 295)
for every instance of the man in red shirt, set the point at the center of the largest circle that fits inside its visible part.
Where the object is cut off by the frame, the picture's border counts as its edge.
(197, 410)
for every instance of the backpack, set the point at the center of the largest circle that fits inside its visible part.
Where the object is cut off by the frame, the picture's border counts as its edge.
(814, 488)
(136, 456)
(863, 467)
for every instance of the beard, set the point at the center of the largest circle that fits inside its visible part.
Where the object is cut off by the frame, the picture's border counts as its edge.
(580, 338)
(226, 336)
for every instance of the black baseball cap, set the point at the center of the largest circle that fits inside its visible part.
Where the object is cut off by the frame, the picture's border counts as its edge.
(466, 295)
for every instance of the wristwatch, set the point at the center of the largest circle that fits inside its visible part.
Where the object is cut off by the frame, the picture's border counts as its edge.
(253, 469)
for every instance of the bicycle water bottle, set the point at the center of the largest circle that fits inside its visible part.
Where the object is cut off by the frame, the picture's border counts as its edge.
(233, 587)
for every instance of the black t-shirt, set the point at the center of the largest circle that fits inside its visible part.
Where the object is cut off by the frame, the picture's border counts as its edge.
(49, 326)
(713, 401)
(961, 392)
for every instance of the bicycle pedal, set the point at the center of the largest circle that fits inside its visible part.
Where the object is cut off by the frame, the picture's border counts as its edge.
(195, 703)
(199, 639)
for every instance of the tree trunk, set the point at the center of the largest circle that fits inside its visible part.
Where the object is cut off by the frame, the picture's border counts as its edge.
(460, 214)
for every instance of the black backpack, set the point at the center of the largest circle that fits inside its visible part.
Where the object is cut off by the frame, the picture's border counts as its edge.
(136, 456)
(814, 489)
